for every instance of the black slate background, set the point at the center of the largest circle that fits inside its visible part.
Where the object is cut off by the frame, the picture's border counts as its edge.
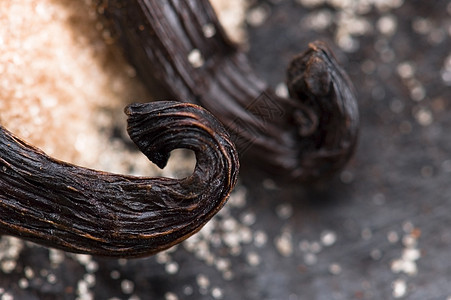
(396, 178)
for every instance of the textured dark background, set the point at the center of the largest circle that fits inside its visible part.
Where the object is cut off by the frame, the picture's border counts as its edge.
(395, 194)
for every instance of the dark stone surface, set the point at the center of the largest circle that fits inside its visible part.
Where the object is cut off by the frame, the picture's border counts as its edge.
(397, 185)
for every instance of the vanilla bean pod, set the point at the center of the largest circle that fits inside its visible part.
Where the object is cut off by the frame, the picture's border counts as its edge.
(82, 210)
(181, 52)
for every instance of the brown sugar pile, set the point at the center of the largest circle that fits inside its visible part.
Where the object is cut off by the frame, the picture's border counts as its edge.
(56, 79)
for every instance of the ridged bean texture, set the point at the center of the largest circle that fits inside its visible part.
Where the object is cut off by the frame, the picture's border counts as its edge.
(181, 52)
(76, 209)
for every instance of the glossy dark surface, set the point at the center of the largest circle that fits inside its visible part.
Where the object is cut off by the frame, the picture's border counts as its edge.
(86, 211)
(306, 137)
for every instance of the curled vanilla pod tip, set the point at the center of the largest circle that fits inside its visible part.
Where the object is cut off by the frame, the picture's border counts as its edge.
(180, 51)
(81, 210)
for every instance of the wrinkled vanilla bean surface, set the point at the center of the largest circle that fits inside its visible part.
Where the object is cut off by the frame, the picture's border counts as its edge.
(182, 53)
(86, 211)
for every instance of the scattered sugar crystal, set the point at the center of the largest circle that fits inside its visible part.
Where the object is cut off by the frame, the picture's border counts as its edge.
(258, 15)
(404, 266)
(29, 273)
(315, 247)
(422, 25)
(222, 264)
(387, 25)
(446, 76)
(335, 269)
(282, 90)
(328, 238)
(195, 58)
(406, 70)
(284, 211)
(202, 281)
(399, 287)
(83, 290)
(393, 237)
(409, 241)
(56, 256)
(245, 235)
(284, 244)
(269, 184)
(217, 293)
(238, 197)
(188, 290)
(170, 296)
(209, 30)
(162, 257)
(230, 224)
(417, 92)
(115, 274)
(7, 296)
(376, 254)
(253, 259)
(231, 239)
(424, 117)
(8, 265)
(51, 278)
(260, 238)
(347, 43)
(172, 268)
(83, 259)
(127, 286)
(92, 266)
(319, 20)
(23, 283)
(248, 218)
(310, 259)
(228, 275)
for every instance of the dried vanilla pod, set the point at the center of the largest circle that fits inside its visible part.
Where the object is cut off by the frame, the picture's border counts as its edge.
(307, 137)
(81, 210)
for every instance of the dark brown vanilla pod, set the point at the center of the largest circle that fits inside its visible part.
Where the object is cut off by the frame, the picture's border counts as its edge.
(81, 210)
(317, 80)
(180, 50)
